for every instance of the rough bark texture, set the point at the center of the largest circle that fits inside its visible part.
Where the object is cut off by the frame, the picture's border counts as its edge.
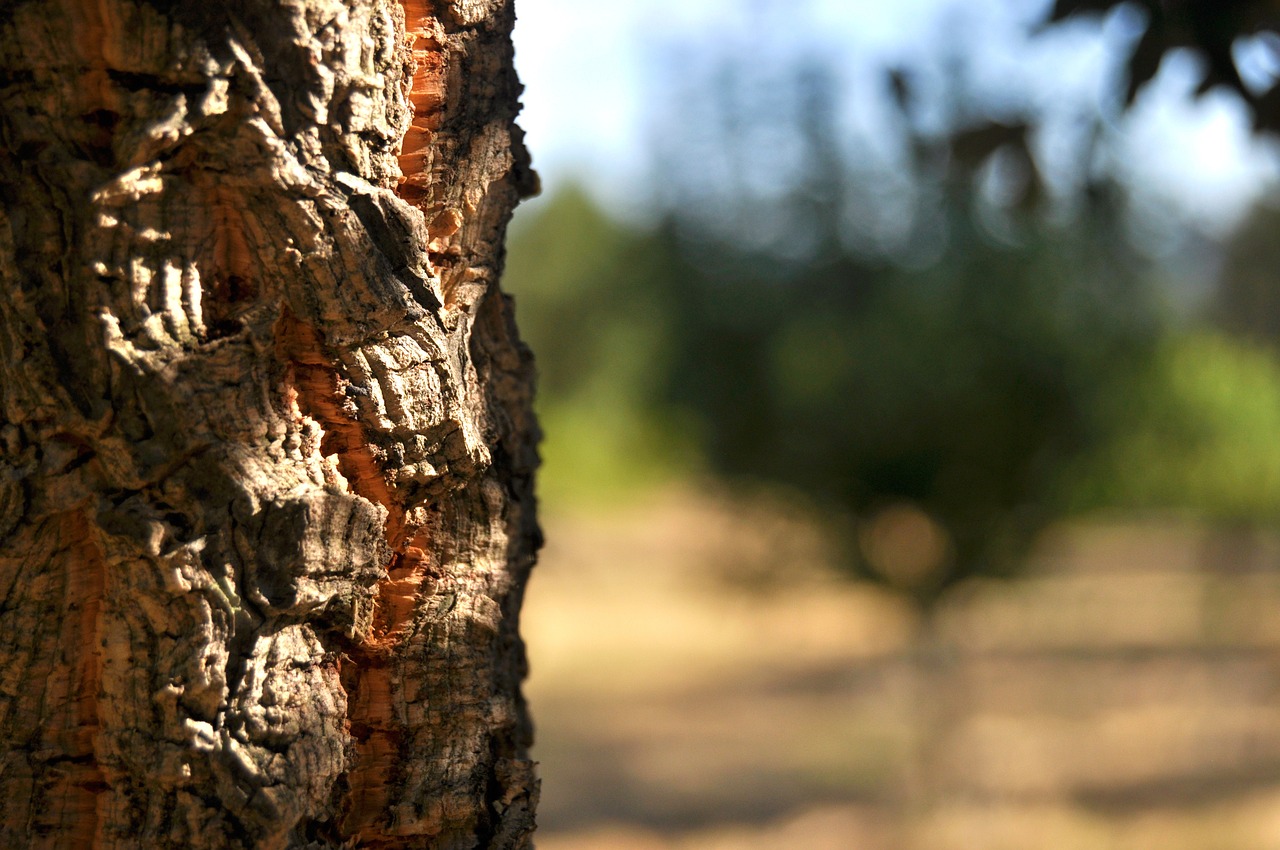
(265, 440)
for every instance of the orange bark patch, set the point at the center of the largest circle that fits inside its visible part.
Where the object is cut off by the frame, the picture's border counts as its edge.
(427, 92)
(86, 581)
(410, 577)
(370, 815)
(368, 683)
(428, 98)
(409, 580)
(315, 381)
(370, 724)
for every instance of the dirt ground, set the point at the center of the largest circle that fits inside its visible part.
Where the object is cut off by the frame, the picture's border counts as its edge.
(702, 679)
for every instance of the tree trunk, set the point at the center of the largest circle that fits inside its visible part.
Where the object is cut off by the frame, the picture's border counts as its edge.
(265, 439)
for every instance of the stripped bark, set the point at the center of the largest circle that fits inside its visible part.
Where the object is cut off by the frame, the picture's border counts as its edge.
(265, 438)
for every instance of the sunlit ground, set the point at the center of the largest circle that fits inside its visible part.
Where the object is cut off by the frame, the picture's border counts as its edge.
(702, 679)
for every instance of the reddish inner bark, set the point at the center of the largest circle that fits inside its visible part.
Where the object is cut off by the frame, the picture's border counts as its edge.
(427, 95)
(366, 677)
(312, 374)
(368, 680)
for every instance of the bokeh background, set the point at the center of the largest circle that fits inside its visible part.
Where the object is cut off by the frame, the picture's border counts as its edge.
(910, 375)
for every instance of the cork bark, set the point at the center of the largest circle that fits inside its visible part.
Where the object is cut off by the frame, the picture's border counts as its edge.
(265, 438)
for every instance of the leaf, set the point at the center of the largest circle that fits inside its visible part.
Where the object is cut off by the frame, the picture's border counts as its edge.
(1063, 9)
(1145, 61)
(1266, 110)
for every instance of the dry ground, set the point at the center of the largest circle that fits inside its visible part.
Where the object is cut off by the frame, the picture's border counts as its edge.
(701, 680)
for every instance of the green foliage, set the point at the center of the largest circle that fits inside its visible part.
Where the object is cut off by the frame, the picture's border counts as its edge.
(965, 404)
(587, 305)
(1201, 421)
(946, 390)
(962, 389)
(960, 394)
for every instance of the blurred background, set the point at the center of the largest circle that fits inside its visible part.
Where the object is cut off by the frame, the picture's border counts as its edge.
(910, 375)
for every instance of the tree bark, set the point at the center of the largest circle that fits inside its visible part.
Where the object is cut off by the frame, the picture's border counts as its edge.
(266, 448)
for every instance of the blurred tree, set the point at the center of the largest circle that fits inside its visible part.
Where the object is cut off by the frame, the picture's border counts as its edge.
(1201, 419)
(1204, 413)
(928, 341)
(1247, 296)
(932, 391)
(939, 392)
(959, 393)
(592, 305)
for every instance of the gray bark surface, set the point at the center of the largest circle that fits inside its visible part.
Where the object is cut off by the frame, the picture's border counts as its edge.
(266, 448)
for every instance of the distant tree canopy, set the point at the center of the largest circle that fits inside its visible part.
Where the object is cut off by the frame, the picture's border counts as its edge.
(923, 349)
(959, 392)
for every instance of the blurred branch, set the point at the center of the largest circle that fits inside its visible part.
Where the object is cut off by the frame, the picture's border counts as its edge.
(1210, 27)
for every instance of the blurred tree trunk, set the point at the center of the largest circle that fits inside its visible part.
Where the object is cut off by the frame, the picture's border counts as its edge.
(265, 440)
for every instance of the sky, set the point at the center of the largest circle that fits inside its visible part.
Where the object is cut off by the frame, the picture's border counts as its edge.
(595, 77)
